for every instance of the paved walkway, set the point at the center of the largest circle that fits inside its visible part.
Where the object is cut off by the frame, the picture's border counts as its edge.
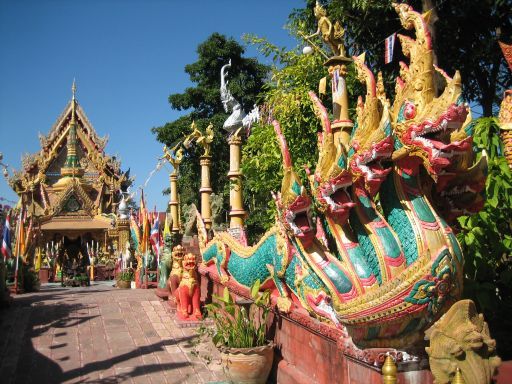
(97, 334)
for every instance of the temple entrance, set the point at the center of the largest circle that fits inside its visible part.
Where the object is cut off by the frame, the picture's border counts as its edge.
(74, 261)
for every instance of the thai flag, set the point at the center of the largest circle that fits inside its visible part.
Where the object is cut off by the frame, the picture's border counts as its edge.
(389, 47)
(155, 237)
(6, 241)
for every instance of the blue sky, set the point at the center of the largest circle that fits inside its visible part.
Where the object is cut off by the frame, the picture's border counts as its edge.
(127, 57)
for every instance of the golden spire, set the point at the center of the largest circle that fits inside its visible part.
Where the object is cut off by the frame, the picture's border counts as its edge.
(73, 88)
(72, 164)
(73, 103)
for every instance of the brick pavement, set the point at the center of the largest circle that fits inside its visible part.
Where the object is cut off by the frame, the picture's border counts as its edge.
(98, 334)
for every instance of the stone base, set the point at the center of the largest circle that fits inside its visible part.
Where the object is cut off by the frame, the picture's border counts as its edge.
(191, 323)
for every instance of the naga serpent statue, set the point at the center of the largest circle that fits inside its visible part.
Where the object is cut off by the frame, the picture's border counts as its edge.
(368, 249)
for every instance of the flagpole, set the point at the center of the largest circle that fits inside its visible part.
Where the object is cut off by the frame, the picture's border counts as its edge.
(18, 247)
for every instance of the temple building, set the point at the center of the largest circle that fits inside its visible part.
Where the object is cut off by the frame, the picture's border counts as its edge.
(72, 189)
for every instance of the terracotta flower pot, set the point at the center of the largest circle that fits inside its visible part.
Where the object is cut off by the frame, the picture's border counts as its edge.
(123, 284)
(247, 365)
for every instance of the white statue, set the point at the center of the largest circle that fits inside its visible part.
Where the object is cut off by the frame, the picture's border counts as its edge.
(238, 117)
(123, 210)
(126, 256)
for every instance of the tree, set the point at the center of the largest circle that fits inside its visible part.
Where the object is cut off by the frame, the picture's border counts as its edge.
(285, 97)
(486, 240)
(203, 99)
(465, 35)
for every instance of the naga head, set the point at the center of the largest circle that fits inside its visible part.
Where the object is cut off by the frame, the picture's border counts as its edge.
(371, 141)
(427, 127)
(462, 192)
(293, 202)
(332, 176)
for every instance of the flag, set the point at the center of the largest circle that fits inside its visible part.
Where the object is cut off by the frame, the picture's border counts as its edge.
(155, 237)
(167, 231)
(145, 233)
(507, 52)
(20, 239)
(6, 240)
(389, 45)
(135, 231)
(142, 209)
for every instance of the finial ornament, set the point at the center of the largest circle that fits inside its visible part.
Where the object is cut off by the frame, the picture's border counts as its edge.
(332, 34)
(73, 88)
(389, 371)
(458, 378)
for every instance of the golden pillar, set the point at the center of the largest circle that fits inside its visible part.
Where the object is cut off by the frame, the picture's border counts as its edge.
(206, 191)
(174, 205)
(342, 125)
(205, 162)
(236, 212)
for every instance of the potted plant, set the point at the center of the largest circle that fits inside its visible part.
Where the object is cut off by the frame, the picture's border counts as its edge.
(124, 278)
(240, 335)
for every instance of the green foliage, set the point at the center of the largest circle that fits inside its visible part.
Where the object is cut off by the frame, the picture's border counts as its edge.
(204, 105)
(486, 239)
(286, 99)
(238, 326)
(126, 275)
(31, 281)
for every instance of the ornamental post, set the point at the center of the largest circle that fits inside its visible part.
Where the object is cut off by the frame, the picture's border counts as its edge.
(236, 211)
(205, 160)
(206, 191)
(342, 125)
(174, 158)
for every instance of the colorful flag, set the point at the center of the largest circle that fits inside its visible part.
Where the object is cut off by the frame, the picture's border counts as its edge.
(145, 233)
(155, 237)
(6, 239)
(142, 209)
(167, 231)
(135, 232)
(389, 45)
(20, 239)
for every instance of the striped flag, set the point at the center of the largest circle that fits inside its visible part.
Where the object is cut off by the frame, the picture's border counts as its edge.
(6, 240)
(389, 45)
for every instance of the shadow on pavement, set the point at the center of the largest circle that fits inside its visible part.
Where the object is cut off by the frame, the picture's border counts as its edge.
(38, 314)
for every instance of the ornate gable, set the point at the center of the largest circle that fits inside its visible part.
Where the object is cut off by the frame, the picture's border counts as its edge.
(71, 151)
(74, 201)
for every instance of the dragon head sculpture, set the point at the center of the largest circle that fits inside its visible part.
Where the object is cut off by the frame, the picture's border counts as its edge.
(293, 202)
(426, 127)
(332, 176)
(371, 141)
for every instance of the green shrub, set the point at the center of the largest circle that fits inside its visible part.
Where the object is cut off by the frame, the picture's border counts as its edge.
(237, 326)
